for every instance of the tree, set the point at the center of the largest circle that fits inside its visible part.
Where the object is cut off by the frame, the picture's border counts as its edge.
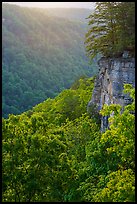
(110, 32)
(110, 158)
(43, 147)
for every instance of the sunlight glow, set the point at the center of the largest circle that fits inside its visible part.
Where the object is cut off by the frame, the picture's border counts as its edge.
(87, 5)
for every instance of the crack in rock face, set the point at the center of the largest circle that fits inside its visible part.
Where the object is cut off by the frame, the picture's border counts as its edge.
(109, 84)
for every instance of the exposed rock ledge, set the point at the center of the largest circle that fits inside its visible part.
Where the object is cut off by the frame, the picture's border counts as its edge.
(113, 74)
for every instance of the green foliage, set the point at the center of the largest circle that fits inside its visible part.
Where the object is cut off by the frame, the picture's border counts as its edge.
(119, 187)
(112, 29)
(42, 55)
(121, 136)
(39, 148)
(69, 104)
(54, 153)
(111, 157)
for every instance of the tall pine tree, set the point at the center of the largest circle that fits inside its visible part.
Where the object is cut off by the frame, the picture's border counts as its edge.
(112, 29)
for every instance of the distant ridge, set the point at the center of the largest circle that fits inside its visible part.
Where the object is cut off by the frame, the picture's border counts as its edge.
(42, 55)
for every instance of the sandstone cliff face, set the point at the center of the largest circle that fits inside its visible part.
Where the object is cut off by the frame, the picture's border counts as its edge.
(113, 74)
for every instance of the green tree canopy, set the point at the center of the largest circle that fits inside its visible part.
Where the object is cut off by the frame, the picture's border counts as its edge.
(112, 29)
(54, 153)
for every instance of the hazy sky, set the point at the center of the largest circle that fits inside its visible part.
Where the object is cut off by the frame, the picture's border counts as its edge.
(88, 5)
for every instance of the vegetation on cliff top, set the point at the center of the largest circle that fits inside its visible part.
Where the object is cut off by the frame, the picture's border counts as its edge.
(112, 29)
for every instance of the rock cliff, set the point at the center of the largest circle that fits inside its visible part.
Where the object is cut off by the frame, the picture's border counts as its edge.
(108, 89)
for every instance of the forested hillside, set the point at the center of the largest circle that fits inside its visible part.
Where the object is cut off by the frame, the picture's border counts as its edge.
(55, 151)
(41, 55)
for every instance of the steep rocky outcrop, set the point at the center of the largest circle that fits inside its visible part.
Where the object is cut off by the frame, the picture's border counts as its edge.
(113, 74)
